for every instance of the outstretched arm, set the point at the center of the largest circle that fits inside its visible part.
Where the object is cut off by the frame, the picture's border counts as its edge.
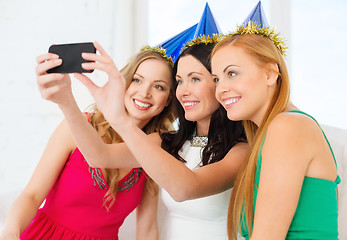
(177, 179)
(57, 88)
(25, 207)
(163, 168)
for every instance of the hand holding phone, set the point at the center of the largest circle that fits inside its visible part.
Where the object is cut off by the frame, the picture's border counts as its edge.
(71, 54)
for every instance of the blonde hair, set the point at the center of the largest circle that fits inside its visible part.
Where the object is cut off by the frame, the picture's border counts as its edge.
(264, 51)
(162, 121)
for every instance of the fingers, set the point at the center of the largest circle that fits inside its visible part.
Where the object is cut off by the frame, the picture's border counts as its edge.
(100, 49)
(100, 66)
(49, 80)
(102, 58)
(86, 82)
(96, 58)
(45, 57)
(42, 67)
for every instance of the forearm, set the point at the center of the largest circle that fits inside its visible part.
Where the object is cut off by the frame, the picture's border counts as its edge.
(20, 215)
(85, 136)
(161, 166)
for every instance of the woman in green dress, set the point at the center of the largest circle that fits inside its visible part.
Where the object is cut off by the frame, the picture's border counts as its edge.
(287, 188)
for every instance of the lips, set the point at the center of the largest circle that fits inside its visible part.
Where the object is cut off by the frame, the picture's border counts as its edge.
(190, 104)
(141, 105)
(229, 102)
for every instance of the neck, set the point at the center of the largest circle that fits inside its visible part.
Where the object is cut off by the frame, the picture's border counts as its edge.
(261, 113)
(202, 127)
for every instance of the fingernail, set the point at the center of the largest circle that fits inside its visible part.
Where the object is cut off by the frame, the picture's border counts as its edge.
(58, 61)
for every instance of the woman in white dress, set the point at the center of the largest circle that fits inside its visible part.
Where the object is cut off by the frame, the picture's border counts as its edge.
(204, 137)
(200, 161)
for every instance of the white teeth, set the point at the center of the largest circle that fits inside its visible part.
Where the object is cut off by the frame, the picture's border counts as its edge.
(141, 104)
(186, 104)
(231, 100)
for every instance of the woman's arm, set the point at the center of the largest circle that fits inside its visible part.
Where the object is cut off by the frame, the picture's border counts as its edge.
(146, 214)
(286, 155)
(57, 88)
(24, 208)
(178, 180)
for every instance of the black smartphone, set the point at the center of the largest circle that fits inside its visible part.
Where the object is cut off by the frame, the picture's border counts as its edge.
(71, 56)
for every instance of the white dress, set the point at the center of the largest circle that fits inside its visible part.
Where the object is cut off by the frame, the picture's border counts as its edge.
(202, 219)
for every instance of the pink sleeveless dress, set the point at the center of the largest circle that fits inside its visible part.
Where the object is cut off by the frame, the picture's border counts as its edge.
(74, 206)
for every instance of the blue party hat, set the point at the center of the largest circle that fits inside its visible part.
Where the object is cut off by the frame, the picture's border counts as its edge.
(257, 15)
(206, 26)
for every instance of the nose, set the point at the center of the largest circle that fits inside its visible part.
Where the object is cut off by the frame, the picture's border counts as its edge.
(221, 87)
(145, 91)
(183, 90)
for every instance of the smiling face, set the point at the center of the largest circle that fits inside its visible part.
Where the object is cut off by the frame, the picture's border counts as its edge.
(148, 94)
(196, 91)
(244, 88)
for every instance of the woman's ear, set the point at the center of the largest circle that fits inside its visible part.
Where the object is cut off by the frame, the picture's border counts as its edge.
(272, 73)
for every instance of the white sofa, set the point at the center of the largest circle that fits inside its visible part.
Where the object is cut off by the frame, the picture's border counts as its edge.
(338, 141)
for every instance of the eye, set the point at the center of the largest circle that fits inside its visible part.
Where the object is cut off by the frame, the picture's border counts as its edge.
(216, 80)
(231, 74)
(159, 87)
(179, 82)
(195, 80)
(136, 80)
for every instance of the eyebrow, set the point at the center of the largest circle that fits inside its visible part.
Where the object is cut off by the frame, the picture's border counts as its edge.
(162, 81)
(231, 65)
(138, 75)
(189, 74)
(159, 80)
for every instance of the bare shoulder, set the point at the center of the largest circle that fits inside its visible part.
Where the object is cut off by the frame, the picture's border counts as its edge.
(292, 135)
(292, 124)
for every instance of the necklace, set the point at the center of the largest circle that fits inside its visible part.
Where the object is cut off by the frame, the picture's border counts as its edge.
(198, 141)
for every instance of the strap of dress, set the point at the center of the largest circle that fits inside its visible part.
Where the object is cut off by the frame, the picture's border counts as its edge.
(338, 180)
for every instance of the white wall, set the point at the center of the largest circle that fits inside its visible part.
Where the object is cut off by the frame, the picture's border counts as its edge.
(27, 29)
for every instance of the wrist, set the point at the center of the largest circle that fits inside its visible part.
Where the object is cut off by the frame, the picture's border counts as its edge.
(121, 124)
(69, 102)
(69, 106)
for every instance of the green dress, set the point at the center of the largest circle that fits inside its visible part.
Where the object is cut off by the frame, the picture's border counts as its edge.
(316, 214)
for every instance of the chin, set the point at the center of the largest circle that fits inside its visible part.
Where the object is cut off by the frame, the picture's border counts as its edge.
(189, 118)
(234, 117)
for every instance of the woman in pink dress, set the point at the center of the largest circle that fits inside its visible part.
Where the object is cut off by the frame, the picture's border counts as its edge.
(83, 202)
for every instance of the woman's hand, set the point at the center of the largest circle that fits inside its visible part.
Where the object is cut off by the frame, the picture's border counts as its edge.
(55, 87)
(110, 97)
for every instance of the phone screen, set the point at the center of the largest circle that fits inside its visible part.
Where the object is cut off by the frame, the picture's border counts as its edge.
(71, 56)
